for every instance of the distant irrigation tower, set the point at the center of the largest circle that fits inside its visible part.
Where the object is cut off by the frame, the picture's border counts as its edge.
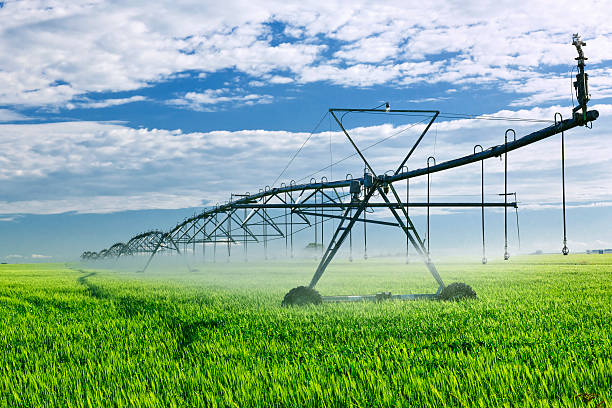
(282, 212)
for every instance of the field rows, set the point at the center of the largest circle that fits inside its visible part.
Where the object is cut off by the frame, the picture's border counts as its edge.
(539, 335)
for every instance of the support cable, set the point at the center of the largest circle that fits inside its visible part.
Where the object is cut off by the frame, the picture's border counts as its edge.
(322, 218)
(451, 115)
(215, 243)
(407, 216)
(286, 236)
(351, 238)
(300, 149)
(365, 149)
(316, 232)
(291, 220)
(518, 230)
(365, 236)
(244, 237)
(322, 225)
(506, 254)
(229, 239)
(265, 233)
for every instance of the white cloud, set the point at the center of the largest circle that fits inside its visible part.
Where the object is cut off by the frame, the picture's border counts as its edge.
(278, 79)
(108, 167)
(105, 103)
(100, 204)
(13, 256)
(257, 83)
(10, 116)
(215, 99)
(39, 256)
(8, 219)
(433, 99)
(52, 53)
(547, 88)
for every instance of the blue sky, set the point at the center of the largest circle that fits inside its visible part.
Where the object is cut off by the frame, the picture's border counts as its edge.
(117, 117)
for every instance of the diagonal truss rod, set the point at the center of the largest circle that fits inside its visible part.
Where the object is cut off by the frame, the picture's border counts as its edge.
(339, 236)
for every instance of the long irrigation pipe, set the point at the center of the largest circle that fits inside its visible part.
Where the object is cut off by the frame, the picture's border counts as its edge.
(494, 151)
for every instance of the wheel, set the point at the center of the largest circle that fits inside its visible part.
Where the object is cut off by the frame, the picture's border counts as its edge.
(302, 295)
(457, 291)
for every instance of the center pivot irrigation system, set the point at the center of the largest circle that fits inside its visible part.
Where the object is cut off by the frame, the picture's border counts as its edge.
(280, 213)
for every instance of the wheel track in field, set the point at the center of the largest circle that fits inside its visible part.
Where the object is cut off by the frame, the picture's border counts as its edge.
(186, 332)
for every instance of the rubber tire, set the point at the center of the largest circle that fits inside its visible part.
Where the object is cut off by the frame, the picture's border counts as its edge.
(301, 296)
(457, 291)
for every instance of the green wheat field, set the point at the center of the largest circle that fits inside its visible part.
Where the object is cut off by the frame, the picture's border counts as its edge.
(76, 335)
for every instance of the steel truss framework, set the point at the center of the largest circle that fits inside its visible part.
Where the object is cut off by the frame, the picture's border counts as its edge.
(280, 213)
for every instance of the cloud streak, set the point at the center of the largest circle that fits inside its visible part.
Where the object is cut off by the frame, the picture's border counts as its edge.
(212, 100)
(10, 116)
(105, 103)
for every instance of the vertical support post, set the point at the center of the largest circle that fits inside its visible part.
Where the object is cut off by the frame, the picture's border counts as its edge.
(264, 219)
(351, 238)
(322, 224)
(565, 249)
(204, 239)
(365, 235)
(229, 237)
(286, 237)
(246, 259)
(316, 233)
(291, 221)
(215, 240)
(291, 183)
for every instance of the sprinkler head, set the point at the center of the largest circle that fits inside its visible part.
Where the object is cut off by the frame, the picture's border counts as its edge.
(506, 256)
(484, 260)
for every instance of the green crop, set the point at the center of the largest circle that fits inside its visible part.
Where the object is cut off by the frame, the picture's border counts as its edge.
(538, 335)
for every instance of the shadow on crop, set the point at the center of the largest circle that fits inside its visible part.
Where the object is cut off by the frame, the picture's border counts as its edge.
(189, 332)
(128, 306)
(93, 290)
(185, 332)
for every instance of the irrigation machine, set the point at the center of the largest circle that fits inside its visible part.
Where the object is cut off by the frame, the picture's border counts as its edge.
(278, 213)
